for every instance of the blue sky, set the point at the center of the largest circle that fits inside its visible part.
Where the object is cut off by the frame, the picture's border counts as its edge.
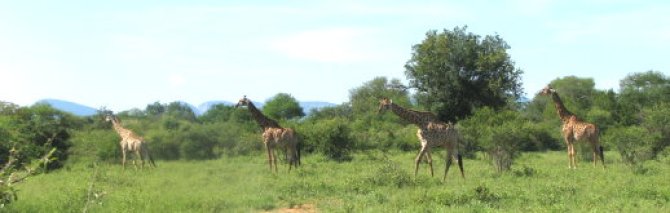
(126, 54)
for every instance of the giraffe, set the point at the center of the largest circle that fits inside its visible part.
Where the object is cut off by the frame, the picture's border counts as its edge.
(274, 136)
(575, 129)
(431, 133)
(130, 142)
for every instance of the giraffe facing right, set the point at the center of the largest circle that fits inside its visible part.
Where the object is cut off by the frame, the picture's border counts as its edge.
(130, 142)
(575, 129)
(431, 133)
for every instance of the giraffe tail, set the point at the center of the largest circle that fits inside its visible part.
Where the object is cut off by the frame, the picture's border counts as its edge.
(601, 152)
(151, 160)
(298, 147)
(460, 164)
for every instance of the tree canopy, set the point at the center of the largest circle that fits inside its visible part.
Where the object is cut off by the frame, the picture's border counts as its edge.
(460, 71)
(283, 106)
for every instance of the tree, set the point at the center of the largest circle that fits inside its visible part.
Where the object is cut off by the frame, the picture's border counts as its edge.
(155, 109)
(578, 95)
(330, 112)
(283, 106)
(365, 99)
(641, 90)
(460, 71)
(36, 130)
(181, 110)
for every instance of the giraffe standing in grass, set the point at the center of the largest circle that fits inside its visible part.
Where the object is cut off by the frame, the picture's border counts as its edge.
(274, 136)
(575, 129)
(131, 142)
(431, 133)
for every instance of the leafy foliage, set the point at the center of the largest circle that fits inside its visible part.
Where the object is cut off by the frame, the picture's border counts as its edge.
(633, 143)
(503, 135)
(329, 137)
(460, 71)
(283, 106)
(11, 173)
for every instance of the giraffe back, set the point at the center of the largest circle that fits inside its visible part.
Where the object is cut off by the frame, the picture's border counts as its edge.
(578, 129)
(439, 134)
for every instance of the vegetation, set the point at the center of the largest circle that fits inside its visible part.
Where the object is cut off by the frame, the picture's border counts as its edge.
(456, 72)
(355, 159)
(372, 182)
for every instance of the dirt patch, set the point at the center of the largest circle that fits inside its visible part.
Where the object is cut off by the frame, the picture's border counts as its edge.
(303, 208)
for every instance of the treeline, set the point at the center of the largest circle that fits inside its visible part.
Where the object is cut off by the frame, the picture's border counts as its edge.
(463, 78)
(633, 121)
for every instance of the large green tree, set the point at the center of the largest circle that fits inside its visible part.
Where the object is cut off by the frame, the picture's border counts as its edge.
(639, 91)
(365, 99)
(456, 71)
(283, 106)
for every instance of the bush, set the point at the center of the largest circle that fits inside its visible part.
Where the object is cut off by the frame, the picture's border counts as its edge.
(503, 135)
(329, 137)
(635, 144)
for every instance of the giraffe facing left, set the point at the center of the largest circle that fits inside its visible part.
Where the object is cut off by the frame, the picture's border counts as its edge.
(131, 142)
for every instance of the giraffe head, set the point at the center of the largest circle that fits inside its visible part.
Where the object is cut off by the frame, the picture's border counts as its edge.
(111, 117)
(243, 102)
(547, 90)
(384, 104)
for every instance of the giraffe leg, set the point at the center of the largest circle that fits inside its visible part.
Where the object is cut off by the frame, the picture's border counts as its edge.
(429, 159)
(573, 161)
(123, 159)
(598, 150)
(446, 167)
(274, 161)
(418, 160)
(460, 164)
(596, 156)
(138, 157)
(602, 155)
(267, 147)
(567, 146)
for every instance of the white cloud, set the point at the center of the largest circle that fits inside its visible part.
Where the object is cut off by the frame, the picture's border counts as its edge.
(176, 80)
(326, 45)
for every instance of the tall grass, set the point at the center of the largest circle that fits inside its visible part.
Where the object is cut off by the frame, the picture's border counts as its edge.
(372, 182)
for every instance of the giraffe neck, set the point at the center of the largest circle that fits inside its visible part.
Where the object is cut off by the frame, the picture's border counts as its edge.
(410, 116)
(563, 113)
(263, 121)
(117, 127)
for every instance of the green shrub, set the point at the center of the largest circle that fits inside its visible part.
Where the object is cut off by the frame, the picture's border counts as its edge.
(635, 144)
(503, 135)
(329, 137)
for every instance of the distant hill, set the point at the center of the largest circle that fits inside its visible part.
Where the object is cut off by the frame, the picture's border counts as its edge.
(82, 110)
(202, 108)
(71, 107)
(307, 106)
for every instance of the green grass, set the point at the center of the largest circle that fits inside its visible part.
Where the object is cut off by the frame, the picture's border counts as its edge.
(372, 182)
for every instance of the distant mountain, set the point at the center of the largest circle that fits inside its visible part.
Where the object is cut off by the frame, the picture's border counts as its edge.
(82, 110)
(195, 109)
(71, 107)
(307, 106)
(207, 105)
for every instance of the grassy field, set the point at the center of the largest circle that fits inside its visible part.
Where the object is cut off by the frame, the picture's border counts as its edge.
(372, 182)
